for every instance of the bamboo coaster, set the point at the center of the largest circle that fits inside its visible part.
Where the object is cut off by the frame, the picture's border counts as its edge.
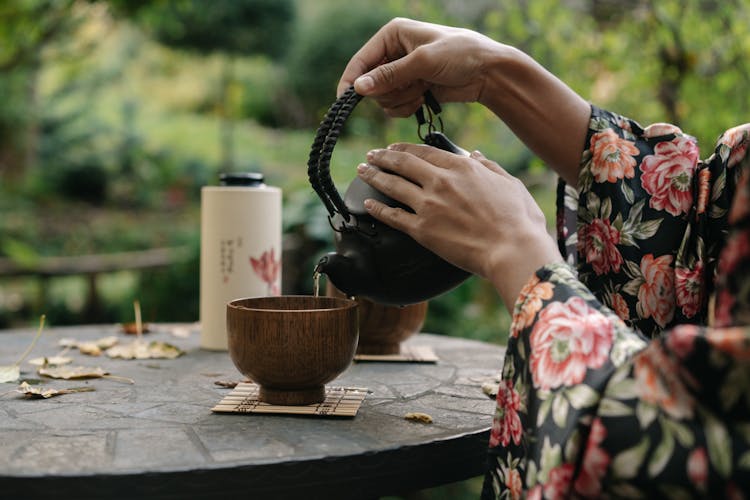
(339, 402)
(408, 354)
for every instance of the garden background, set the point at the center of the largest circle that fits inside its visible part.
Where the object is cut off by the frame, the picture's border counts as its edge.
(114, 114)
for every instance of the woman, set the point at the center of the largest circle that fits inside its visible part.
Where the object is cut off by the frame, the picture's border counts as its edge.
(613, 382)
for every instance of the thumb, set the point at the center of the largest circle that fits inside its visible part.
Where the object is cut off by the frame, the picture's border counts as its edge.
(387, 77)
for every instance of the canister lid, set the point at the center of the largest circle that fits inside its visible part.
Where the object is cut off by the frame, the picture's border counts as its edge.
(253, 179)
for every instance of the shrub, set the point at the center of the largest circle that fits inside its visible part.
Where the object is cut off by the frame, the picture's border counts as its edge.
(321, 49)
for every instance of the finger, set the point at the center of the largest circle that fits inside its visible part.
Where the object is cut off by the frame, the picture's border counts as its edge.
(477, 155)
(404, 101)
(390, 76)
(395, 217)
(393, 186)
(359, 64)
(376, 51)
(429, 154)
(402, 164)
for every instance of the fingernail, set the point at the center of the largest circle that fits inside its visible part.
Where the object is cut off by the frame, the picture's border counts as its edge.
(369, 204)
(477, 154)
(371, 154)
(364, 84)
(362, 168)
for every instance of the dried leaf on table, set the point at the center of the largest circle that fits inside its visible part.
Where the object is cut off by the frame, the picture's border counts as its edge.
(418, 417)
(179, 331)
(229, 384)
(142, 350)
(79, 372)
(42, 392)
(132, 328)
(71, 372)
(490, 389)
(51, 361)
(10, 373)
(90, 348)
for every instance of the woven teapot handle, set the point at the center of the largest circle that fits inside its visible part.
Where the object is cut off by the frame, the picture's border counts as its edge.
(319, 163)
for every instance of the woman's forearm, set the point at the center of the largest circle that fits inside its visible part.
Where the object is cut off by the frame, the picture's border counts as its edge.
(546, 114)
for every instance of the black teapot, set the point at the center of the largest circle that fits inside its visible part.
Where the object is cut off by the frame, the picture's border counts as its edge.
(373, 260)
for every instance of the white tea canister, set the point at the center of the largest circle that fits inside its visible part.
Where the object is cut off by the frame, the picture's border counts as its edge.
(240, 249)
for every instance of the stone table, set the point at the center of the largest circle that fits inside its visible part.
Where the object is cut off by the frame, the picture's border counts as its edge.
(158, 438)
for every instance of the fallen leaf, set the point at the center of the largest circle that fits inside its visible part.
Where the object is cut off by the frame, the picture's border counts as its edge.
(132, 328)
(418, 417)
(490, 389)
(142, 350)
(42, 392)
(90, 348)
(51, 361)
(181, 332)
(72, 372)
(80, 372)
(229, 384)
(9, 373)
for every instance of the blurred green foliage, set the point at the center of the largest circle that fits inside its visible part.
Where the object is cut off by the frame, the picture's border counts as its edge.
(114, 113)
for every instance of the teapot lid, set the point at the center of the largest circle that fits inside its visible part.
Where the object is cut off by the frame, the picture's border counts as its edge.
(358, 191)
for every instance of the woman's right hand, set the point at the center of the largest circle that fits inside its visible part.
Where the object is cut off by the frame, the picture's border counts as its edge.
(406, 57)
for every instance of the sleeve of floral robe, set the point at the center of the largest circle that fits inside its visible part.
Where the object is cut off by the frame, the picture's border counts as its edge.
(646, 225)
(619, 392)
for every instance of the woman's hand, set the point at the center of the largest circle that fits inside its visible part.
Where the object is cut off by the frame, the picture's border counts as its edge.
(469, 211)
(405, 58)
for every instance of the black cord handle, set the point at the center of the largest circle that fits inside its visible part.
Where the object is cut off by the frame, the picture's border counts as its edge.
(319, 162)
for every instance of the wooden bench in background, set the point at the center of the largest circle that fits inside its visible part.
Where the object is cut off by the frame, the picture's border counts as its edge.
(91, 266)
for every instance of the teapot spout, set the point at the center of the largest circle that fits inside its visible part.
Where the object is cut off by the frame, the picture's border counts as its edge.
(343, 272)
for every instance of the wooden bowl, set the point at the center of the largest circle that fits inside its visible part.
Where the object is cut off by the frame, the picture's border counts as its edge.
(383, 328)
(292, 345)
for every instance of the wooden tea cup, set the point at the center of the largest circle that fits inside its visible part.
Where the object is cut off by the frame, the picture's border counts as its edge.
(292, 345)
(383, 328)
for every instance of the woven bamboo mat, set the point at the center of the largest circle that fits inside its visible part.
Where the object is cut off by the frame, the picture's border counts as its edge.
(408, 354)
(339, 402)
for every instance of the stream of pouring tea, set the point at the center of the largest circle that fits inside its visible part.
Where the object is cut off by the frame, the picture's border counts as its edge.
(316, 283)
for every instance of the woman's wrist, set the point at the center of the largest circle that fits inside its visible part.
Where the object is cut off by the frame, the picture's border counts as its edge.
(511, 266)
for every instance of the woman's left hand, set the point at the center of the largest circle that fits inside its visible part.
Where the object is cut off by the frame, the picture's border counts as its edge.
(469, 211)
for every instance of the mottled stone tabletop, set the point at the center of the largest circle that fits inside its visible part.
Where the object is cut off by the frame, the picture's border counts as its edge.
(158, 438)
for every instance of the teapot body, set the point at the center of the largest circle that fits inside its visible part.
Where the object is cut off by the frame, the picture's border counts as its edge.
(373, 260)
(378, 262)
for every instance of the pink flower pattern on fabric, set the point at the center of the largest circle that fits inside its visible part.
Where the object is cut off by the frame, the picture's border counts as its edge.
(612, 157)
(595, 463)
(656, 296)
(667, 175)
(598, 242)
(506, 426)
(567, 339)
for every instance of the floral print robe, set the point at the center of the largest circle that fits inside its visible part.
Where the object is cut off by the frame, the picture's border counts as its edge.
(613, 385)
